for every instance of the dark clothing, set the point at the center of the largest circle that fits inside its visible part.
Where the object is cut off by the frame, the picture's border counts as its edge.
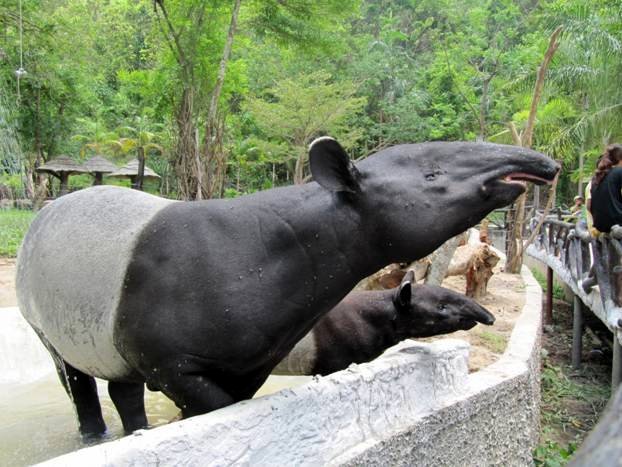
(607, 201)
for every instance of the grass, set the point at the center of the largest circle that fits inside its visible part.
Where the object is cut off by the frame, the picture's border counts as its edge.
(558, 290)
(13, 226)
(571, 405)
(493, 341)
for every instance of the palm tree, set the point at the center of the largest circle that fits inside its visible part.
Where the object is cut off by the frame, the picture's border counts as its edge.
(142, 141)
(589, 73)
(94, 137)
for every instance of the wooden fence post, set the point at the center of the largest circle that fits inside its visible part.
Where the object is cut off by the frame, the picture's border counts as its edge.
(548, 312)
(577, 333)
(616, 370)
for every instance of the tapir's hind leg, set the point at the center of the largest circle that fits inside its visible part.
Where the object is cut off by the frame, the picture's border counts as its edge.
(129, 399)
(82, 391)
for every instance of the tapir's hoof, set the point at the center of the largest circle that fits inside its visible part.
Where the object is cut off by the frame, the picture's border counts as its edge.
(93, 437)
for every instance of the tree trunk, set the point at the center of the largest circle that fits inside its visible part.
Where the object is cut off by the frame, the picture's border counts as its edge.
(185, 162)
(141, 168)
(199, 164)
(514, 261)
(483, 109)
(440, 259)
(299, 169)
(215, 156)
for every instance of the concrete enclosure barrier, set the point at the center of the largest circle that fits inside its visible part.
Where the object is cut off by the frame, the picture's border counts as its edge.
(415, 405)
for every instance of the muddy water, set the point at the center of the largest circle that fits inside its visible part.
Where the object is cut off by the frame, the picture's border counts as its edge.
(37, 420)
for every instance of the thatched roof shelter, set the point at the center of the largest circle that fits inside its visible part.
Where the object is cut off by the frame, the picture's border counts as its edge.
(61, 164)
(130, 170)
(98, 166)
(61, 167)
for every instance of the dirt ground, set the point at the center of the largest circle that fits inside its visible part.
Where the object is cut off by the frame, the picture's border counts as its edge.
(7, 282)
(505, 300)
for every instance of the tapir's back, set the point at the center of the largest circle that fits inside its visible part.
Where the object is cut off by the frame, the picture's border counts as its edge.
(71, 268)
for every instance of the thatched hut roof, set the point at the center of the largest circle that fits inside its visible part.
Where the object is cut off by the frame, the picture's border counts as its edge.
(99, 164)
(62, 164)
(131, 170)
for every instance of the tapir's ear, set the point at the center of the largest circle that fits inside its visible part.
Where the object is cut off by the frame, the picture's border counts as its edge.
(331, 167)
(404, 291)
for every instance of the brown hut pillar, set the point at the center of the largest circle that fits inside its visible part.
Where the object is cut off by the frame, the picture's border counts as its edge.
(64, 183)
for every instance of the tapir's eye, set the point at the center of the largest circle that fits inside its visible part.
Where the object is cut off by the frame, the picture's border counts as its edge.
(442, 307)
(433, 174)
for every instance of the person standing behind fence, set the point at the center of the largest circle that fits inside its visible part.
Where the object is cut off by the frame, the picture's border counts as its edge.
(606, 200)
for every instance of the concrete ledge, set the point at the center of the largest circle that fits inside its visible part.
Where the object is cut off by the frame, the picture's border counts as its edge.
(495, 421)
(416, 405)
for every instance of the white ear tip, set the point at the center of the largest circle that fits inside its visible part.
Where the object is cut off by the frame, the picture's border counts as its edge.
(321, 139)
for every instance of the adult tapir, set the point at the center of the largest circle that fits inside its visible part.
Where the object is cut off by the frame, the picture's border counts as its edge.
(366, 323)
(201, 300)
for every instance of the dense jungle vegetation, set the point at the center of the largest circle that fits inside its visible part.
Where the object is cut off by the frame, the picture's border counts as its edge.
(223, 97)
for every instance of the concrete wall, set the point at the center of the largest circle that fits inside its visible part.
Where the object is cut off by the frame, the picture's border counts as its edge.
(19, 344)
(416, 405)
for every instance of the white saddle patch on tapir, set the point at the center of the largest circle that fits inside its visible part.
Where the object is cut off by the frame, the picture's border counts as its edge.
(71, 268)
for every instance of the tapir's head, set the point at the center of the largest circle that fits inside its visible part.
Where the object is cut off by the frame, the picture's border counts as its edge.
(428, 310)
(411, 198)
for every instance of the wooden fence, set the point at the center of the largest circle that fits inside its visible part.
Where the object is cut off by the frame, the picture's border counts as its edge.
(592, 269)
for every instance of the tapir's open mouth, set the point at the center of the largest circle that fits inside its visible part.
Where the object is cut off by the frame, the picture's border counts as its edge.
(522, 178)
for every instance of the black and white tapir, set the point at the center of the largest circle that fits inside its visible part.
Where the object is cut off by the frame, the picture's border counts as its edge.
(201, 300)
(366, 323)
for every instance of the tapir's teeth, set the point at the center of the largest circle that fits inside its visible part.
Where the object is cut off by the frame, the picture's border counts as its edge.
(525, 177)
(509, 179)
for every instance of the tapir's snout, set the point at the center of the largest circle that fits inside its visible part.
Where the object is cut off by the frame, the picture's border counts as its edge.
(437, 310)
(478, 313)
(513, 166)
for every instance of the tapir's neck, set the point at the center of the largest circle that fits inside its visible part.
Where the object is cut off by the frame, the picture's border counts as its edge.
(330, 230)
(327, 245)
(378, 313)
(375, 318)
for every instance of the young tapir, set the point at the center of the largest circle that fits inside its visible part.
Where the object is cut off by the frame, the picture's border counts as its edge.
(366, 323)
(201, 300)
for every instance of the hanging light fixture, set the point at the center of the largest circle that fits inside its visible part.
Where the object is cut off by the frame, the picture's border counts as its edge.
(20, 72)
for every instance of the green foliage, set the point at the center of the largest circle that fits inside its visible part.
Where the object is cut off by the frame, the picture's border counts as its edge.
(405, 71)
(13, 226)
(551, 454)
(14, 183)
(558, 290)
(295, 111)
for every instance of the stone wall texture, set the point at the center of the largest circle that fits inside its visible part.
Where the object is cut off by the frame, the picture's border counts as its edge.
(415, 405)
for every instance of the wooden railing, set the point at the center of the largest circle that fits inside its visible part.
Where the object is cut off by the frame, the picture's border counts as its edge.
(592, 269)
